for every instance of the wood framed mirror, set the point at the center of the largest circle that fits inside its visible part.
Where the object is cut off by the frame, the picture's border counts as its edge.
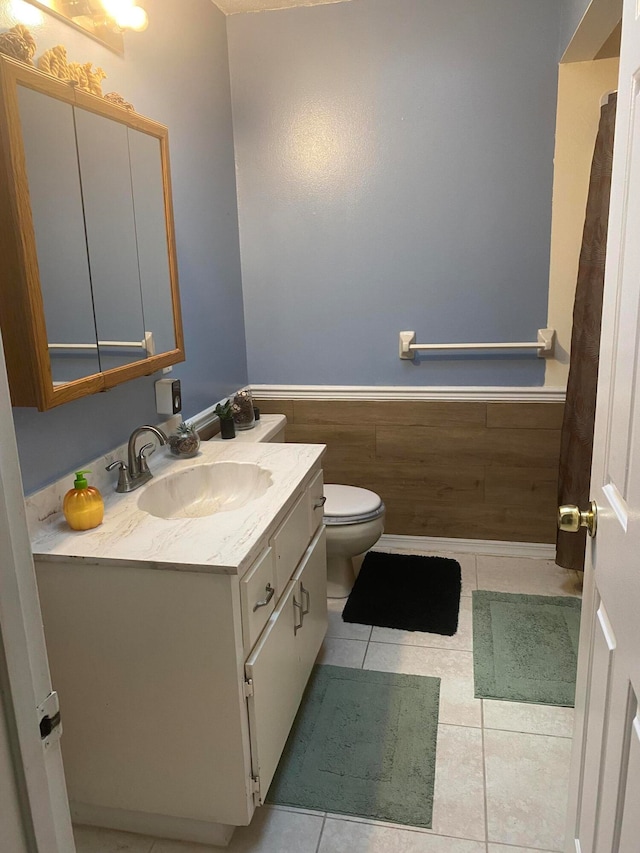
(89, 285)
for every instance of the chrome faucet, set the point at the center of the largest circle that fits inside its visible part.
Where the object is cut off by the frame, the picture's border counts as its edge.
(136, 473)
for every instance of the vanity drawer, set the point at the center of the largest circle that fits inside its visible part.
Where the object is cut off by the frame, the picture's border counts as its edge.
(257, 598)
(316, 502)
(290, 542)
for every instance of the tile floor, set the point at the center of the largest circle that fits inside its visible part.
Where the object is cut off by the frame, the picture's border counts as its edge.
(501, 768)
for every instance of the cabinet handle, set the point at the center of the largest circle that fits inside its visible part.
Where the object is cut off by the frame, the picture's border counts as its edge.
(320, 502)
(270, 593)
(297, 627)
(306, 609)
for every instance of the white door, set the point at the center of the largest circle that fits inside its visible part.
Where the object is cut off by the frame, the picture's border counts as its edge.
(31, 769)
(604, 804)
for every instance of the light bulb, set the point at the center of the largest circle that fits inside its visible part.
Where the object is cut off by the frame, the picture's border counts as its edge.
(114, 8)
(132, 18)
(26, 14)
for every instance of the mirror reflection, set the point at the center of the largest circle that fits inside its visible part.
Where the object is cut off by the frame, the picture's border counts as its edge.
(97, 196)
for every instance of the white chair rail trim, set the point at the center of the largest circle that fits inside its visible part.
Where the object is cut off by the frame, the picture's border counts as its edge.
(455, 394)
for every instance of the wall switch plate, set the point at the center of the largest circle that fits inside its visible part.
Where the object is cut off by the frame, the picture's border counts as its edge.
(168, 396)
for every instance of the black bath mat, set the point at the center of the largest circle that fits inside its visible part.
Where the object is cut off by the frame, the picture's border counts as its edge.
(407, 592)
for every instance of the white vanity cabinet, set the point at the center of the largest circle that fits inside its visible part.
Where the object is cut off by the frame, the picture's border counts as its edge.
(178, 686)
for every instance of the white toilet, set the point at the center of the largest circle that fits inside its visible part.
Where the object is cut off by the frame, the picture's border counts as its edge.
(354, 519)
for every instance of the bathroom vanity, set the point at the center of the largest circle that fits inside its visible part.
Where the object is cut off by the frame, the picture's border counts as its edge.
(180, 647)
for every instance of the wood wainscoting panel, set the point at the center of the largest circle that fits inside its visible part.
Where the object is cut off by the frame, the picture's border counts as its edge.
(276, 407)
(525, 415)
(468, 470)
(521, 486)
(344, 443)
(458, 445)
(406, 413)
(395, 481)
(485, 521)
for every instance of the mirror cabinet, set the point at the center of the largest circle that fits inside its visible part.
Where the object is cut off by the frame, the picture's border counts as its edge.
(88, 273)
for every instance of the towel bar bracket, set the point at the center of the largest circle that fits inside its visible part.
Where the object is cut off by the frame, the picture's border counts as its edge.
(545, 345)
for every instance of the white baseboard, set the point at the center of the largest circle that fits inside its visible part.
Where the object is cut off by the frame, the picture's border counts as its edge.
(158, 826)
(541, 550)
(480, 394)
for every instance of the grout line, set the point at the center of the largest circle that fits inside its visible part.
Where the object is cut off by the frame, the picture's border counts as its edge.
(484, 777)
(417, 830)
(366, 651)
(533, 734)
(416, 646)
(324, 822)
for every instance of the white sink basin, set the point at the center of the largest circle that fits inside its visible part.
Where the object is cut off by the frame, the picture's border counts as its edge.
(205, 490)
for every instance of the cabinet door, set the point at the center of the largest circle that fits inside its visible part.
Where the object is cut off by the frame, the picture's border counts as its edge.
(281, 663)
(103, 154)
(316, 502)
(58, 223)
(277, 688)
(311, 580)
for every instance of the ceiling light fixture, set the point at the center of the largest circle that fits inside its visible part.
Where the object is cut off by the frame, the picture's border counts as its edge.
(127, 14)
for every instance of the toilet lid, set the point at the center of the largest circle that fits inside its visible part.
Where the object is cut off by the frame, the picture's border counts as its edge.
(350, 504)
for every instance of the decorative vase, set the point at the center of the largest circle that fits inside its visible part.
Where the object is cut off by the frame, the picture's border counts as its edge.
(242, 408)
(227, 428)
(185, 443)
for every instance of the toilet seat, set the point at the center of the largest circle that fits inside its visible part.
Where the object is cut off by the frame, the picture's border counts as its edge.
(351, 505)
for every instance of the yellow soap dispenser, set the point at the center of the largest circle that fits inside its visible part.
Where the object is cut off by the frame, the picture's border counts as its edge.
(83, 506)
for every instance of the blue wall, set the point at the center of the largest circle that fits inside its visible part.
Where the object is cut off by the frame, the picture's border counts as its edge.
(394, 163)
(572, 12)
(177, 73)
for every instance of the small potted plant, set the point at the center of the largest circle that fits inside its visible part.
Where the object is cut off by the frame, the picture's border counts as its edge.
(186, 442)
(225, 413)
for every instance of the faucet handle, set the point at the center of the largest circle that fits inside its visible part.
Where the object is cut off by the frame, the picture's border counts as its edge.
(142, 459)
(124, 481)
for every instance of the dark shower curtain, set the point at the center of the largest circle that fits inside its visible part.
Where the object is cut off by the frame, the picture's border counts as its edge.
(579, 414)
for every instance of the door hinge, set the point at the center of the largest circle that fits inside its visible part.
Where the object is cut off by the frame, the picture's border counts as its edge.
(49, 720)
(255, 789)
(248, 687)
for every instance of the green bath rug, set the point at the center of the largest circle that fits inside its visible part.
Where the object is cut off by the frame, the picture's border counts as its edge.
(363, 743)
(525, 647)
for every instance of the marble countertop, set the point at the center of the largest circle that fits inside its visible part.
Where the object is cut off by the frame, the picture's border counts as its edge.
(226, 542)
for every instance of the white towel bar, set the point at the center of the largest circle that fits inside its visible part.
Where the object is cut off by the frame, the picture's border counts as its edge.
(545, 344)
(147, 344)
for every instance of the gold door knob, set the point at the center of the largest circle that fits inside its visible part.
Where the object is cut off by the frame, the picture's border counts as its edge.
(571, 519)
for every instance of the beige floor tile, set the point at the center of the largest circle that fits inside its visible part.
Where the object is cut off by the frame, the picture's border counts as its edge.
(527, 784)
(526, 575)
(342, 652)
(462, 640)
(346, 836)
(344, 630)
(270, 831)
(91, 839)
(523, 717)
(458, 807)
(503, 848)
(458, 706)
(169, 846)
(467, 563)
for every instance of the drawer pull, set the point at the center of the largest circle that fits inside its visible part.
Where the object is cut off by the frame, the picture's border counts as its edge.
(270, 593)
(320, 502)
(297, 627)
(306, 609)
